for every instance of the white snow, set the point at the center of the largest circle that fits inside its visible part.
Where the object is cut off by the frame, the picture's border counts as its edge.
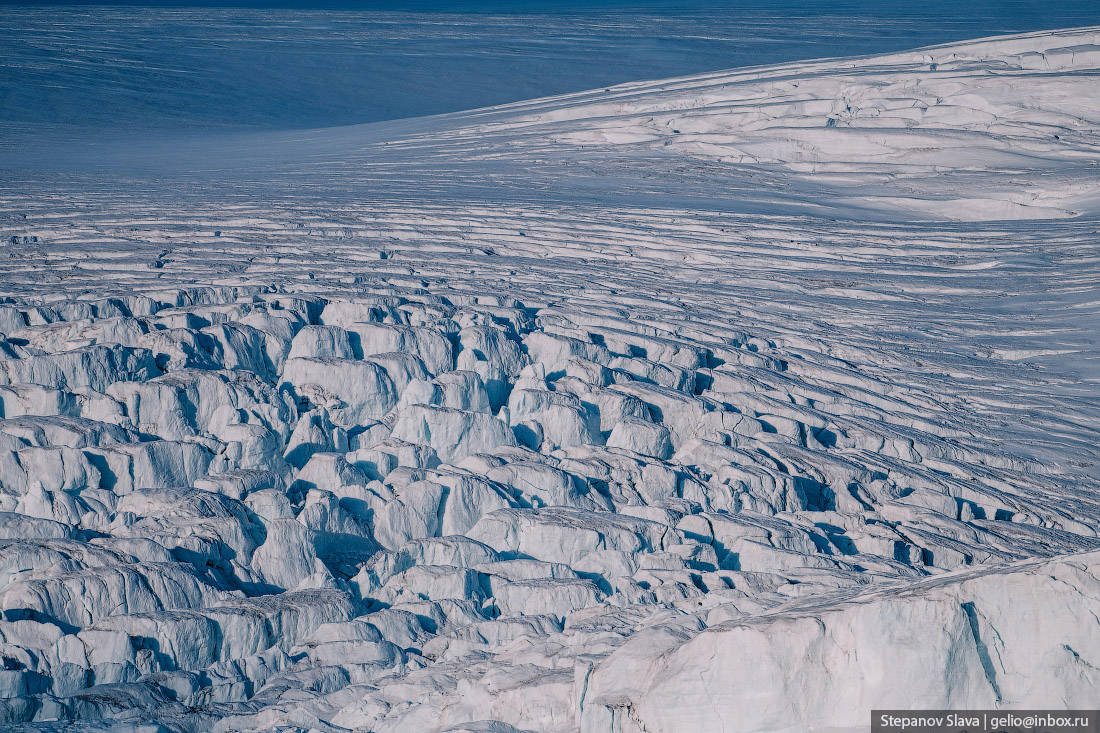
(748, 401)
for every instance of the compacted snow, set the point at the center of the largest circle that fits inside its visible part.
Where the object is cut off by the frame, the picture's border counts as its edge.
(748, 401)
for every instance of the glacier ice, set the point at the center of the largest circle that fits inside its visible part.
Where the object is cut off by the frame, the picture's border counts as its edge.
(797, 421)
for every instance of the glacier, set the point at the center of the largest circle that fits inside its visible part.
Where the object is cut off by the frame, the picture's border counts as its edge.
(744, 401)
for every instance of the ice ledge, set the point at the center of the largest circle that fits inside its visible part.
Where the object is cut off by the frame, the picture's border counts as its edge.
(1018, 636)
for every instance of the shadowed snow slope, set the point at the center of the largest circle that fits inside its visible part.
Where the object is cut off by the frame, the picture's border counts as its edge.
(741, 402)
(293, 64)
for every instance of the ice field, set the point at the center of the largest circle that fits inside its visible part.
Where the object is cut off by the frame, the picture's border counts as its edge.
(745, 401)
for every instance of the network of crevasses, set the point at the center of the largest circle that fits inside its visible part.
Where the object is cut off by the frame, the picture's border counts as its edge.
(225, 501)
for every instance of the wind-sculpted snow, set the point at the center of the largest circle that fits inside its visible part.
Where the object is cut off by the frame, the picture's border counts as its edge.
(653, 415)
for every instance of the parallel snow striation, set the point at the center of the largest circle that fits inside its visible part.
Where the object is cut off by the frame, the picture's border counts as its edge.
(520, 449)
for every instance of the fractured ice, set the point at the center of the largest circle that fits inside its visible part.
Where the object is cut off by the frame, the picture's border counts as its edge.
(427, 465)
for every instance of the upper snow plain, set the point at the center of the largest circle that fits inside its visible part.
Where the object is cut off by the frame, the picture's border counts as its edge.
(743, 401)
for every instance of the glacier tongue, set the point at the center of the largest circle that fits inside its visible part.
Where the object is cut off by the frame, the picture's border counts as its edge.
(743, 402)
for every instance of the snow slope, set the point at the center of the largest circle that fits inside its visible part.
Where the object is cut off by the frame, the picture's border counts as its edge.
(746, 401)
(283, 64)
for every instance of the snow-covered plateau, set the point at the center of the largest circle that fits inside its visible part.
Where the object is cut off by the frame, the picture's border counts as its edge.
(748, 401)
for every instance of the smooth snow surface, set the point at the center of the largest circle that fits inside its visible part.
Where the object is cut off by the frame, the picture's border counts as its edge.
(747, 401)
(114, 67)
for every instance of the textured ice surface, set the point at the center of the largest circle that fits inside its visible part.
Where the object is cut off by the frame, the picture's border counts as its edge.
(747, 402)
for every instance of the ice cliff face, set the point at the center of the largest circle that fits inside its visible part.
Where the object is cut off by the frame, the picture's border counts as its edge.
(436, 466)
